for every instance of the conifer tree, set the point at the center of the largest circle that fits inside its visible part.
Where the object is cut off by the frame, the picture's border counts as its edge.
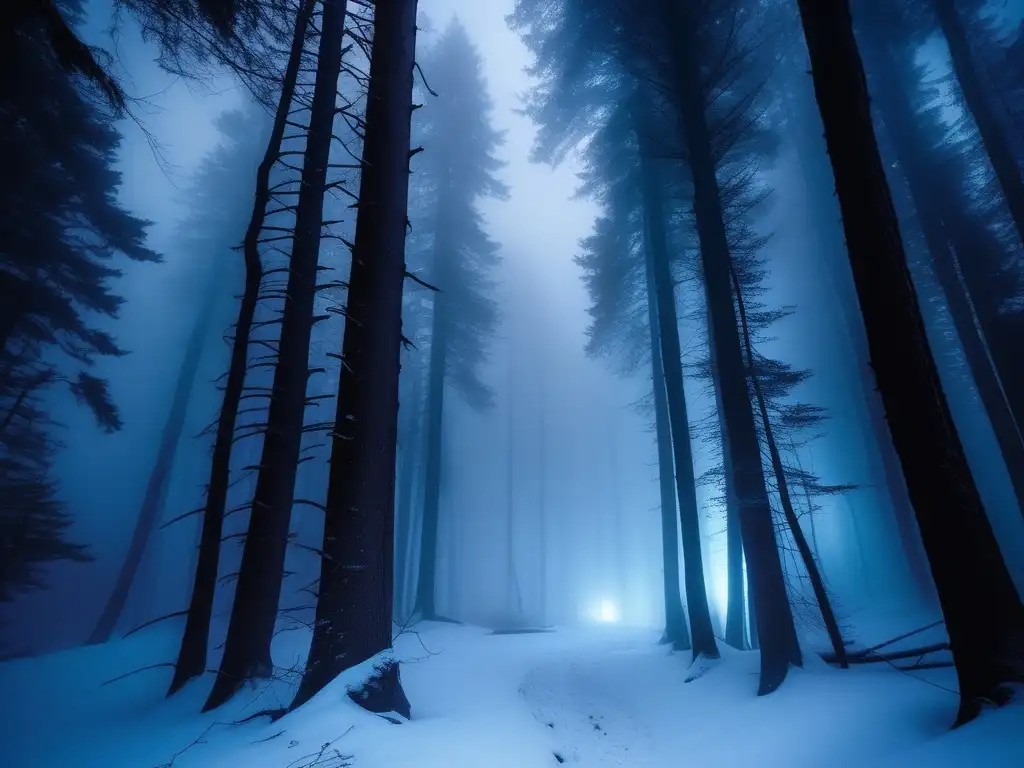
(459, 169)
(62, 233)
(984, 634)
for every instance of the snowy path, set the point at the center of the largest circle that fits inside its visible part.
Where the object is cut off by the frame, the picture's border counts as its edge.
(588, 698)
(593, 715)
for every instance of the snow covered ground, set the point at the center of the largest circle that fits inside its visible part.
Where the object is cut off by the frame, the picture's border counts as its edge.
(606, 696)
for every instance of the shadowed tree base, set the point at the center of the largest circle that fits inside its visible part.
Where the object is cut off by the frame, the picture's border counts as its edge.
(678, 643)
(225, 686)
(382, 692)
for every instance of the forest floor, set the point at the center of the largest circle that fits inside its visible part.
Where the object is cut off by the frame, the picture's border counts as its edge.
(606, 696)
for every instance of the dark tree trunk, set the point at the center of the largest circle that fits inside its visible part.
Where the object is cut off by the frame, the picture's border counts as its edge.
(901, 125)
(254, 612)
(776, 631)
(984, 616)
(354, 609)
(406, 486)
(542, 544)
(194, 642)
(675, 620)
(702, 635)
(789, 513)
(160, 474)
(425, 592)
(513, 591)
(736, 620)
(1004, 163)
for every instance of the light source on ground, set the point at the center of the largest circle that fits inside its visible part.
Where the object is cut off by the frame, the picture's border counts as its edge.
(608, 611)
(720, 586)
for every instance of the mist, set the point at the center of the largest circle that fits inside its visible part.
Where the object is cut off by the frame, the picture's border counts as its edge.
(554, 472)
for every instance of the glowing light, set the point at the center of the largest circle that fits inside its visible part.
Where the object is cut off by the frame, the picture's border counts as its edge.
(720, 586)
(608, 611)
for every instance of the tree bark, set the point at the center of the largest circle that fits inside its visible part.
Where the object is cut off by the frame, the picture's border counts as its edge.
(702, 635)
(258, 590)
(354, 608)
(984, 616)
(192, 653)
(992, 135)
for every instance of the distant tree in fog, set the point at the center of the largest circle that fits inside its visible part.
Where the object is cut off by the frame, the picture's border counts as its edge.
(618, 260)
(61, 232)
(701, 111)
(458, 170)
(220, 202)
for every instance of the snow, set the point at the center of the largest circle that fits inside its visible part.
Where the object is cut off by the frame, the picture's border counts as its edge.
(601, 696)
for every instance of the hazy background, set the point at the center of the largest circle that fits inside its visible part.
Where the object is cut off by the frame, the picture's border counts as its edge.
(600, 474)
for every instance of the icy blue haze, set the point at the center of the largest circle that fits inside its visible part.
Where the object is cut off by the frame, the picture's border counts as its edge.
(512, 383)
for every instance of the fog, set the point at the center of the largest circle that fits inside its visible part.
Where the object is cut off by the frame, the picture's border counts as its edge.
(549, 498)
(697, 360)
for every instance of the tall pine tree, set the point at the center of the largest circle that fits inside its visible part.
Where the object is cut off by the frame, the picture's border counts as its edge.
(459, 168)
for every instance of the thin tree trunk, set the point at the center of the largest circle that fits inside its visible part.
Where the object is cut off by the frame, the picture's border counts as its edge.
(192, 653)
(160, 474)
(1004, 163)
(776, 631)
(514, 593)
(806, 555)
(542, 495)
(426, 604)
(406, 485)
(258, 590)
(736, 618)
(618, 535)
(984, 616)
(354, 608)
(702, 633)
(675, 620)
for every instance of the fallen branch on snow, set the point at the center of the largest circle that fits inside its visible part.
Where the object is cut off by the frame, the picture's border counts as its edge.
(871, 657)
